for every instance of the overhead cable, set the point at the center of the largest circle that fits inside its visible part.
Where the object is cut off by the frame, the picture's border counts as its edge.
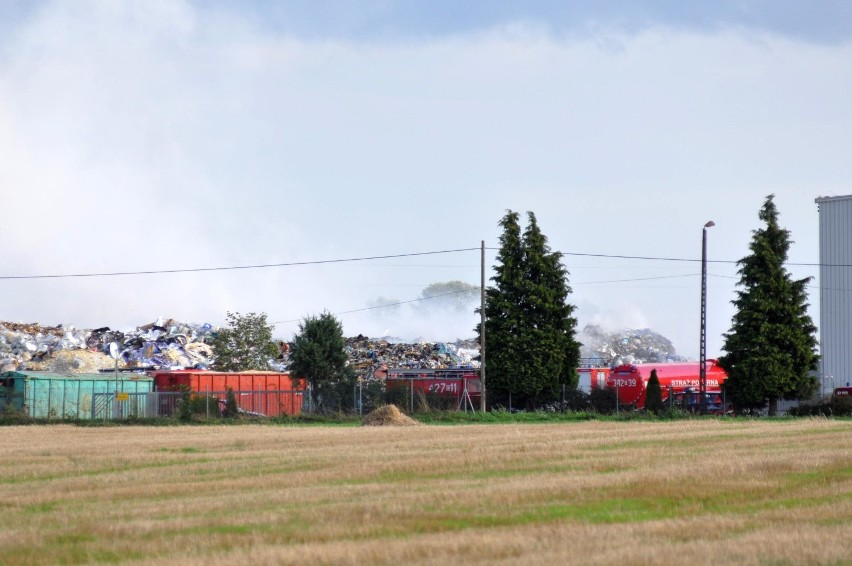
(231, 268)
(370, 258)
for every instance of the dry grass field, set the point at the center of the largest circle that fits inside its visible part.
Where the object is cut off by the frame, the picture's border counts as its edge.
(695, 492)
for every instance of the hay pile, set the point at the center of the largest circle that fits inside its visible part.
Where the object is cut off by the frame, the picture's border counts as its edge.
(389, 415)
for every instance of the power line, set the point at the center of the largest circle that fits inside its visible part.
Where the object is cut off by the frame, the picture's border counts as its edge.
(368, 258)
(636, 279)
(231, 268)
(682, 259)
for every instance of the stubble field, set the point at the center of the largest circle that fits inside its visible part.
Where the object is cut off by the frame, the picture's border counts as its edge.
(701, 492)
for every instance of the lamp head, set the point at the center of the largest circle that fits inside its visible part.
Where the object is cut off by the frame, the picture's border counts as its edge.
(710, 224)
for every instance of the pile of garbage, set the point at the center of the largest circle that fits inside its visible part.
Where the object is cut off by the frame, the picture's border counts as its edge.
(66, 349)
(626, 346)
(167, 343)
(373, 357)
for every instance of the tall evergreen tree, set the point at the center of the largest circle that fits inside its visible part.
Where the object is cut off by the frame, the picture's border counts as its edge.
(503, 319)
(530, 328)
(771, 346)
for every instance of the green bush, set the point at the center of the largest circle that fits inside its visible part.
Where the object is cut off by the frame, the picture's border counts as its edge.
(603, 401)
(654, 395)
(576, 400)
(232, 409)
(184, 403)
(204, 405)
(827, 407)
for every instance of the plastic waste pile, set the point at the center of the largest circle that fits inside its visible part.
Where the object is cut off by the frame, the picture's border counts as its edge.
(626, 346)
(167, 343)
(164, 343)
(371, 356)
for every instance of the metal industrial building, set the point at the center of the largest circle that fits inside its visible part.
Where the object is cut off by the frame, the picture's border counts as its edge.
(835, 282)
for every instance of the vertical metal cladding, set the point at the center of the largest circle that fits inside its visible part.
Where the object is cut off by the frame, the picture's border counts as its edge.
(44, 395)
(835, 283)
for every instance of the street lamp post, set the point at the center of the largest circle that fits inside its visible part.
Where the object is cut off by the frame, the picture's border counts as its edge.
(702, 350)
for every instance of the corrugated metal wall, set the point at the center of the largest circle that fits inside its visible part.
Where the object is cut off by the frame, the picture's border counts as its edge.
(835, 282)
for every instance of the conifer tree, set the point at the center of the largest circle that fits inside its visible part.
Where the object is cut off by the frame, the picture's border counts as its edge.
(503, 318)
(530, 328)
(653, 394)
(771, 346)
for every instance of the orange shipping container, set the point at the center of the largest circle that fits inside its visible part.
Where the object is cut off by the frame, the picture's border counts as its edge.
(263, 393)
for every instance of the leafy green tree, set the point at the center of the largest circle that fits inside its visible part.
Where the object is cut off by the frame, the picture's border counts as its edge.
(319, 357)
(771, 346)
(654, 394)
(245, 344)
(530, 329)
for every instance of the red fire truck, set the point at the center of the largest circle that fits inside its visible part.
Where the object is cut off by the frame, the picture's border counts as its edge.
(679, 383)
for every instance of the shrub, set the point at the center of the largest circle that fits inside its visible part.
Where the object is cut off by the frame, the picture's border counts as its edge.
(576, 400)
(232, 409)
(653, 394)
(184, 403)
(832, 406)
(204, 405)
(603, 401)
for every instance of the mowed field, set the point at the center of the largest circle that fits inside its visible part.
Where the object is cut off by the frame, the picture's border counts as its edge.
(699, 492)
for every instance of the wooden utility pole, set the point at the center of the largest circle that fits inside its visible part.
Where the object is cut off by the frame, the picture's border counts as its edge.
(482, 329)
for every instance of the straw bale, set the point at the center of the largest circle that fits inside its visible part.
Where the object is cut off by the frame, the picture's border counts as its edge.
(388, 415)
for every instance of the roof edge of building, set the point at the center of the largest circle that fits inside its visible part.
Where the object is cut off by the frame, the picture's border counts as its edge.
(829, 199)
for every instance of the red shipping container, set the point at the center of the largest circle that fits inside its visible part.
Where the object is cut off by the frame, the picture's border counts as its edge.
(263, 393)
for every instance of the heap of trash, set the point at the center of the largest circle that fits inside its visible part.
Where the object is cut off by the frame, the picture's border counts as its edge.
(373, 357)
(170, 344)
(165, 343)
(626, 346)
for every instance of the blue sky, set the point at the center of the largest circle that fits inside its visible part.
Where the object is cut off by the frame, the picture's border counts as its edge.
(820, 21)
(166, 134)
